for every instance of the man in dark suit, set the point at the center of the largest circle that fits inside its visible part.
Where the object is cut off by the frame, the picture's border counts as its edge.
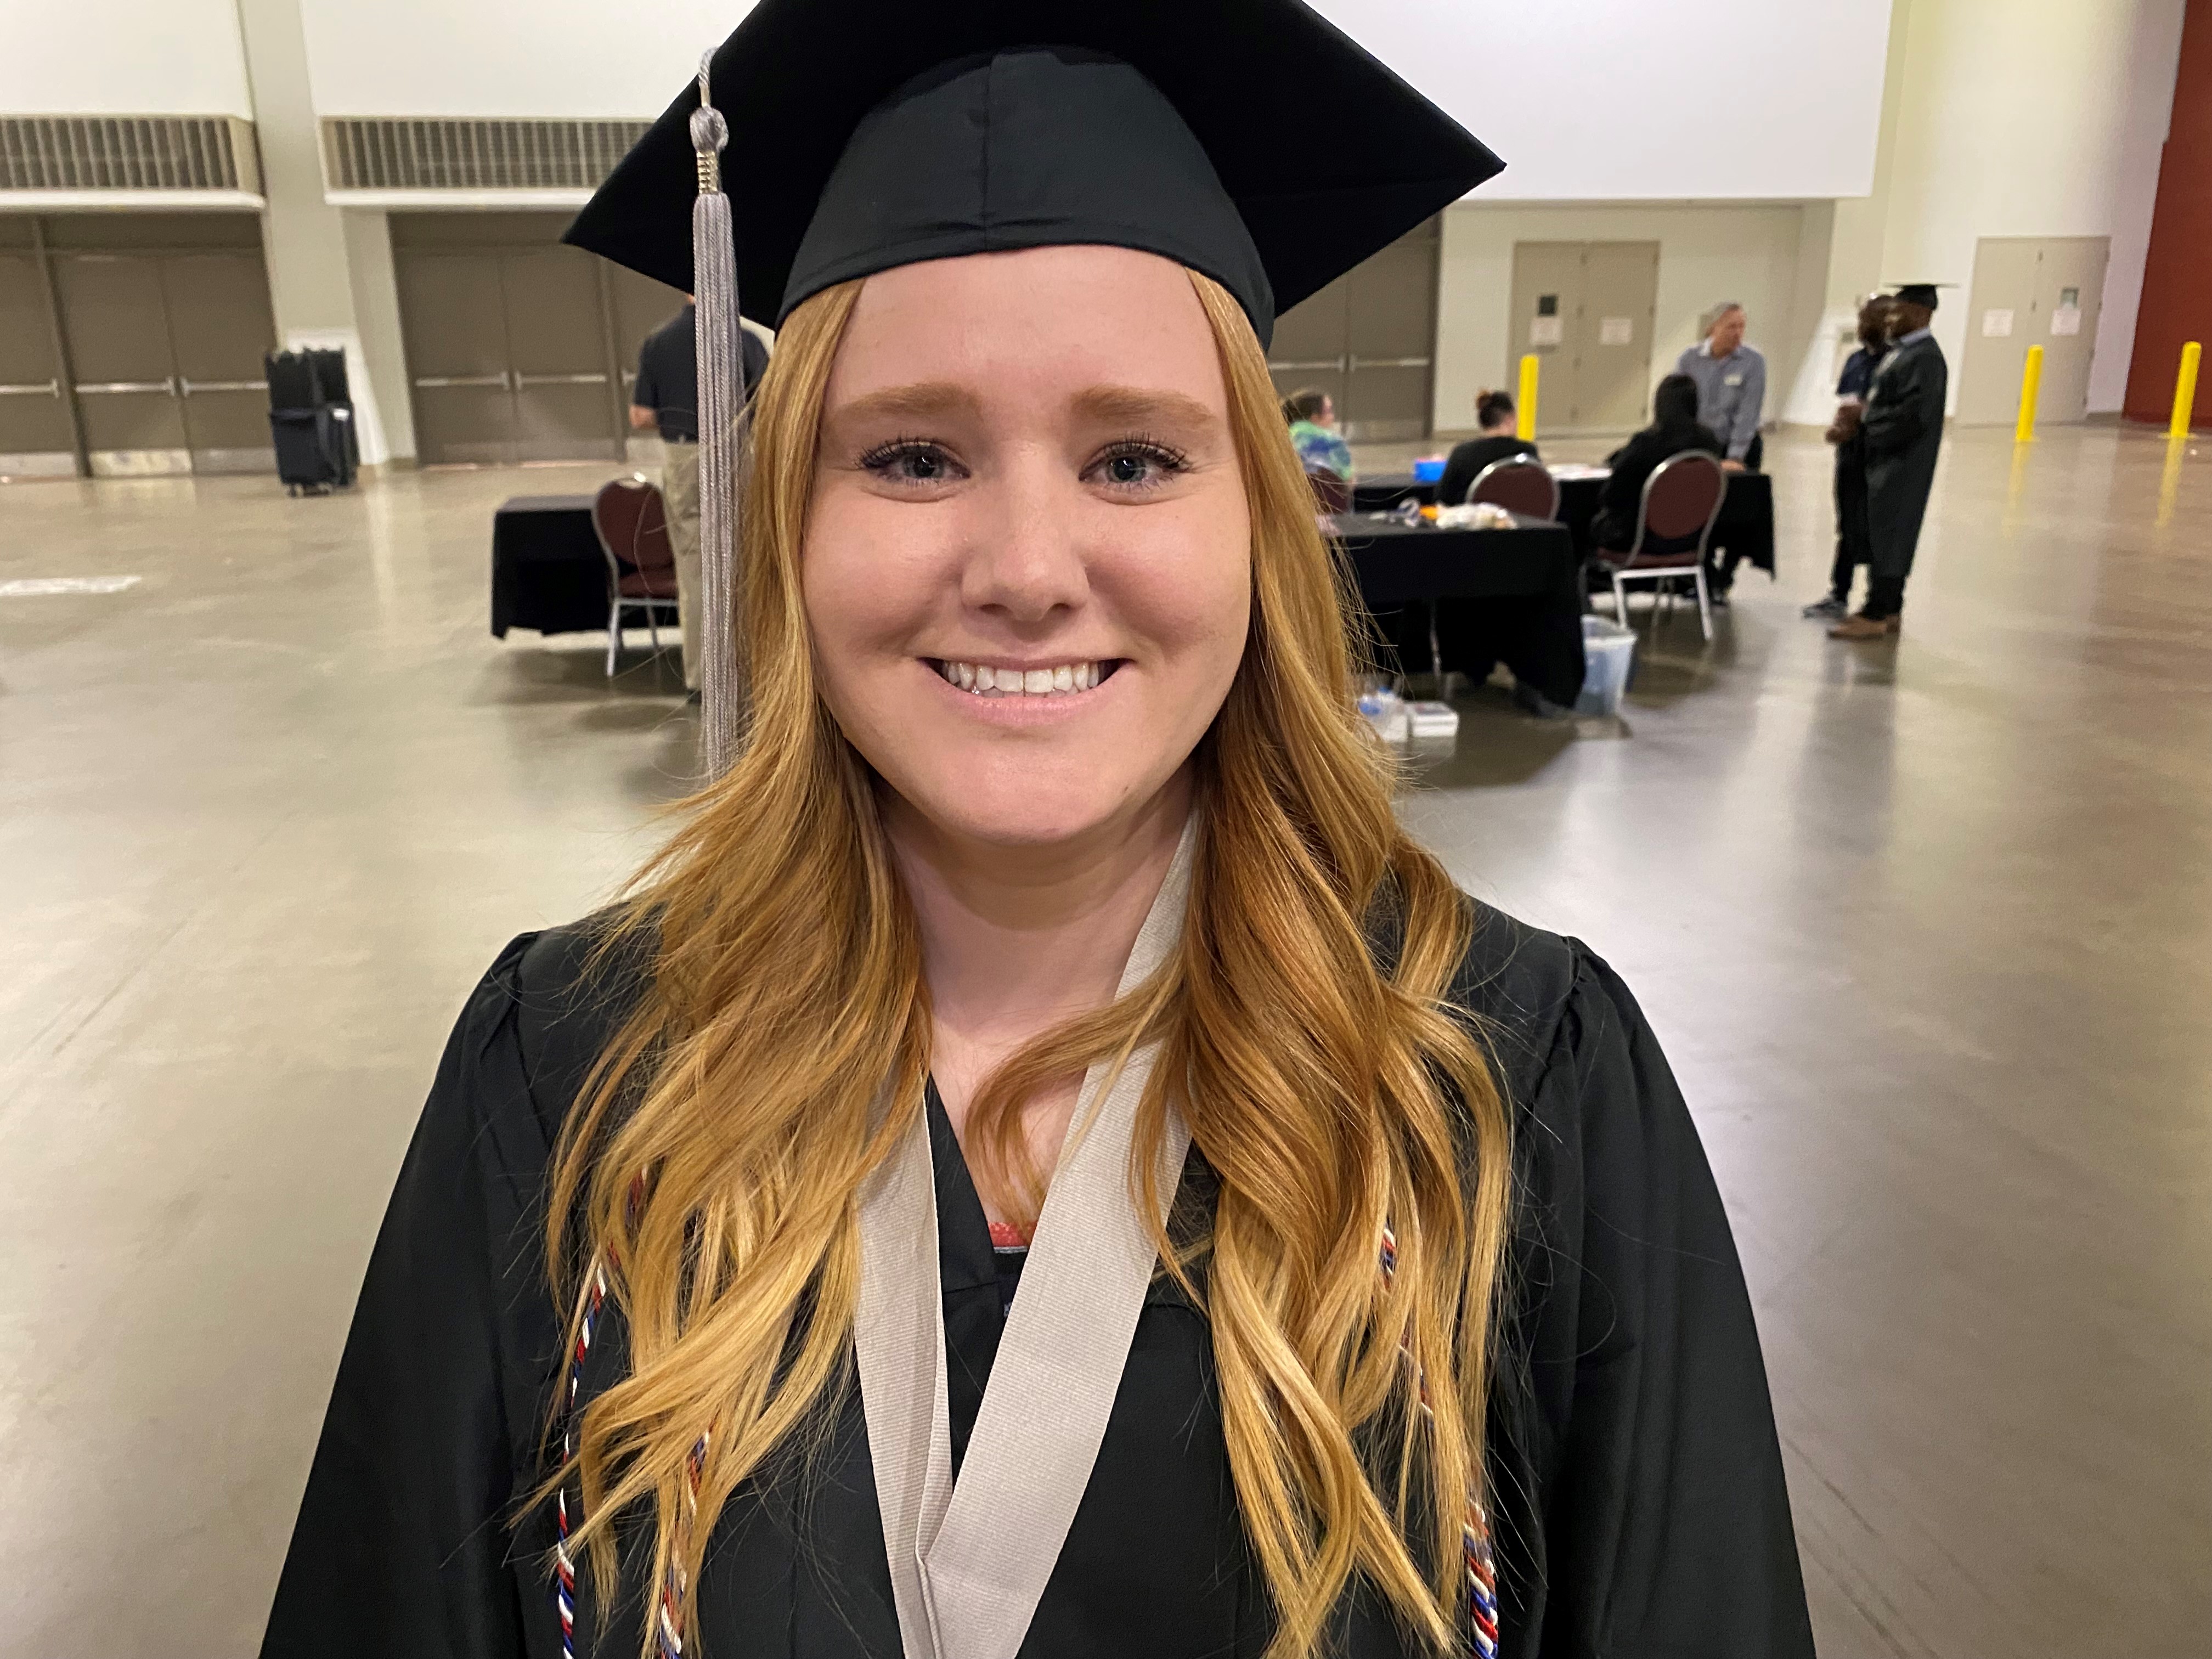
(1846, 434)
(1903, 431)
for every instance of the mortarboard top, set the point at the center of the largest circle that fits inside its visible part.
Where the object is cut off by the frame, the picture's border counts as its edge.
(1250, 139)
(1919, 294)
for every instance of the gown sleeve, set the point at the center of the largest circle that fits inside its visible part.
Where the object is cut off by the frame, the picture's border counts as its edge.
(1653, 1520)
(404, 1545)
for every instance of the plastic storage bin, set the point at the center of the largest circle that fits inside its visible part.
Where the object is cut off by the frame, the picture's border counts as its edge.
(1609, 658)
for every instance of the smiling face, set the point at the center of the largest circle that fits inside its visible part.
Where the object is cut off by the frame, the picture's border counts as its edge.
(1027, 569)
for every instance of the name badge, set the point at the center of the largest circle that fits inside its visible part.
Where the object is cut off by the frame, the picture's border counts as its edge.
(1733, 379)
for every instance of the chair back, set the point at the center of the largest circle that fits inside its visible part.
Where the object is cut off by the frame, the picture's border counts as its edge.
(1681, 499)
(1519, 485)
(631, 521)
(1331, 493)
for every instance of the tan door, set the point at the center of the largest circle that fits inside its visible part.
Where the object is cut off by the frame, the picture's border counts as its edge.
(1612, 336)
(35, 441)
(115, 319)
(454, 322)
(1547, 300)
(2070, 295)
(1391, 321)
(1312, 345)
(220, 332)
(557, 349)
(2000, 325)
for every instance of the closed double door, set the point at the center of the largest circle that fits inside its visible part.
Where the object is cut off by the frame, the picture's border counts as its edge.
(36, 438)
(1587, 311)
(511, 355)
(2031, 291)
(167, 353)
(1368, 340)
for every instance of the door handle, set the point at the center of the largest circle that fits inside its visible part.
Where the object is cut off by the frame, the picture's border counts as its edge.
(1337, 363)
(436, 380)
(32, 389)
(1389, 362)
(191, 386)
(521, 380)
(168, 386)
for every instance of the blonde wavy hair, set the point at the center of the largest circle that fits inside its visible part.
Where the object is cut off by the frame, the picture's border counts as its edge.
(714, 1162)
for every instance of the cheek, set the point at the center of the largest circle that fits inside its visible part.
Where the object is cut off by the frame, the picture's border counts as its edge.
(869, 573)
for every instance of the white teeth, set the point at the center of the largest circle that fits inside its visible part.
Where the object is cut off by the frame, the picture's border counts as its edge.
(983, 680)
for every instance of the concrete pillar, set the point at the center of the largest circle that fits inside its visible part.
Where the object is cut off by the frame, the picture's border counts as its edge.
(331, 283)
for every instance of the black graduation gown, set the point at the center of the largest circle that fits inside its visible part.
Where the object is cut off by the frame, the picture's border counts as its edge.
(1903, 431)
(1640, 1507)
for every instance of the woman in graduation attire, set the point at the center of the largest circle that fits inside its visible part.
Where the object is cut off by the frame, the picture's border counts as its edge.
(1041, 1164)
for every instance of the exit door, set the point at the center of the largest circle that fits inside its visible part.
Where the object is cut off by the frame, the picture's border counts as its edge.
(2029, 291)
(1586, 310)
(1368, 340)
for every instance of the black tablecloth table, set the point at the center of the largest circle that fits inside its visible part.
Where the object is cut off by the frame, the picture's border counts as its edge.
(1745, 527)
(1385, 490)
(547, 571)
(1510, 596)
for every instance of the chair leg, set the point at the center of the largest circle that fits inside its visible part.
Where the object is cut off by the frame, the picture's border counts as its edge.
(1705, 606)
(614, 635)
(1619, 602)
(1436, 650)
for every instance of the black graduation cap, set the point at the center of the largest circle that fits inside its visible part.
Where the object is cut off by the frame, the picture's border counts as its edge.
(830, 139)
(1250, 139)
(1919, 294)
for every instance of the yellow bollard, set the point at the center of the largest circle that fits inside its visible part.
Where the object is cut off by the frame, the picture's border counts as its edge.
(1524, 425)
(2031, 381)
(2184, 390)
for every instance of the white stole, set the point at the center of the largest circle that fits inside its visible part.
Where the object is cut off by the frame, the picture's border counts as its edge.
(969, 1560)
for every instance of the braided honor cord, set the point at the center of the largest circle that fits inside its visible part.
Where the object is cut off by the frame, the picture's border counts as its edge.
(1474, 1531)
(1481, 1566)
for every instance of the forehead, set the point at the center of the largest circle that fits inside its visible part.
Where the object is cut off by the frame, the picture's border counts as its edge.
(1029, 324)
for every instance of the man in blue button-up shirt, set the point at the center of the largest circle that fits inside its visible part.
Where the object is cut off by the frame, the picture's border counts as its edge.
(1731, 381)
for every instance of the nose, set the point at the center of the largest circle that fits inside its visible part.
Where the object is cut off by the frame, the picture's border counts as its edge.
(1024, 562)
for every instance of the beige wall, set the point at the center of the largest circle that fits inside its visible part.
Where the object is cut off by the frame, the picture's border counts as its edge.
(1707, 252)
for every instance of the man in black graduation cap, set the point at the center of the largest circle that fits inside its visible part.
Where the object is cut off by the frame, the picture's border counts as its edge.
(1902, 430)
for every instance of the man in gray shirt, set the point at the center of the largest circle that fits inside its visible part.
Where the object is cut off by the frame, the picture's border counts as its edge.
(1731, 381)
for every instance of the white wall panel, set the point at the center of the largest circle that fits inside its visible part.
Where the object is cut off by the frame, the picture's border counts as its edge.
(1631, 100)
(121, 57)
(584, 58)
(1706, 254)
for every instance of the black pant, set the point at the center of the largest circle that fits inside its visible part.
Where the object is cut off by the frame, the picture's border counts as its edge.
(1720, 567)
(1885, 598)
(1854, 546)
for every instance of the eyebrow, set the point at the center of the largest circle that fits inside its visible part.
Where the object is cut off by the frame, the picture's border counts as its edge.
(1134, 406)
(917, 401)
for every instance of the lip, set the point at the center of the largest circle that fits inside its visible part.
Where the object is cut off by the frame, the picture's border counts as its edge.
(1024, 712)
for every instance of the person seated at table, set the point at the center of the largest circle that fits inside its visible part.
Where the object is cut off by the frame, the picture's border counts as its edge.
(1494, 414)
(1674, 429)
(1312, 416)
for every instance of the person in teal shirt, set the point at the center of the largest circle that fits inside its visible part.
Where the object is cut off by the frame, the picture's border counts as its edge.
(1312, 416)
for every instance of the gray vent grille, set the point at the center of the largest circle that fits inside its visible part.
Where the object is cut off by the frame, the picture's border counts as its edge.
(446, 154)
(127, 152)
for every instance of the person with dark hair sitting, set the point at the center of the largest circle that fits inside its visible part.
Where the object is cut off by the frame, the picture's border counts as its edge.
(1674, 428)
(1312, 416)
(1494, 414)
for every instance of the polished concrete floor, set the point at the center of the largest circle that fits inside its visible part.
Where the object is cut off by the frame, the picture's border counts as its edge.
(1927, 929)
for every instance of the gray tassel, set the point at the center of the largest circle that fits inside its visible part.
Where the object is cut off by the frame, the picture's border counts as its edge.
(721, 413)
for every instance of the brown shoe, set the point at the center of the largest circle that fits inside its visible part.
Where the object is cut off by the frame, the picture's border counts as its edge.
(1866, 628)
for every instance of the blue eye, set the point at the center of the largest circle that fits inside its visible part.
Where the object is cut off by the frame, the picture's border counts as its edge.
(1140, 464)
(910, 460)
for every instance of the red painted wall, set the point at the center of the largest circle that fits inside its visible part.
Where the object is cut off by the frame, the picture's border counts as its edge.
(2177, 293)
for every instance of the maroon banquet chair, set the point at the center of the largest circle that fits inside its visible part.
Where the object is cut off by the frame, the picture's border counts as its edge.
(632, 523)
(1681, 499)
(1519, 485)
(1331, 493)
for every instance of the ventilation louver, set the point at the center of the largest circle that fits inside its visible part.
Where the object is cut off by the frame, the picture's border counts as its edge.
(128, 152)
(390, 154)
